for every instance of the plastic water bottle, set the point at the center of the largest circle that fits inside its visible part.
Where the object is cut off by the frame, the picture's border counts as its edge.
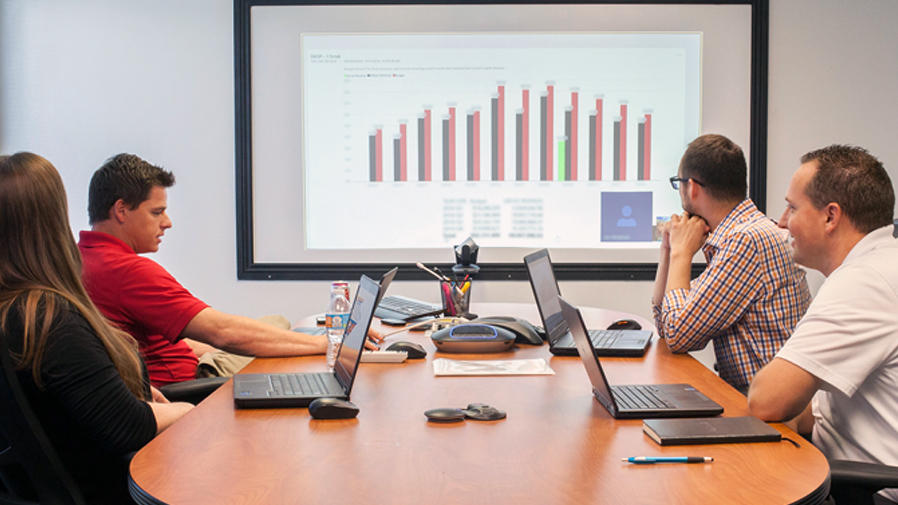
(335, 321)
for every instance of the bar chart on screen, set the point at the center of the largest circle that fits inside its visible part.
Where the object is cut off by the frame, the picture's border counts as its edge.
(474, 126)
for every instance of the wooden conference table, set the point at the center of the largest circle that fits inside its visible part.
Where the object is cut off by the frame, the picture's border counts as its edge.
(557, 445)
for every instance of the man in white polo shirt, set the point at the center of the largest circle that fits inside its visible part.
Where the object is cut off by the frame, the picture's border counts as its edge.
(837, 376)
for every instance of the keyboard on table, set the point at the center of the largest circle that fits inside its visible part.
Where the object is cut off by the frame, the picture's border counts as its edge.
(408, 307)
(298, 384)
(604, 338)
(638, 396)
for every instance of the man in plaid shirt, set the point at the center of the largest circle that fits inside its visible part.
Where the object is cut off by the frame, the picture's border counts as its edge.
(751, 294)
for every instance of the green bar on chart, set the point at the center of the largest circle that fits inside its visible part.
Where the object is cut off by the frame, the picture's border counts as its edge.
(561, 153)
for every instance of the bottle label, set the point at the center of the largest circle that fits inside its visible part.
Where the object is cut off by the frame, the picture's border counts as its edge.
(336, 320)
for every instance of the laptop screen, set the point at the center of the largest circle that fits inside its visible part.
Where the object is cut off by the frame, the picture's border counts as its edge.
(587, 353)
(356, 331)
(546, 292)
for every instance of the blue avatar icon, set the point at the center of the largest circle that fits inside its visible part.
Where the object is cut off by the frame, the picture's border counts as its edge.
(627, 221)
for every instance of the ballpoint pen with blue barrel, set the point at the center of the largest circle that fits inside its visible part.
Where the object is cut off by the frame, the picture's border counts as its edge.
(648, 460)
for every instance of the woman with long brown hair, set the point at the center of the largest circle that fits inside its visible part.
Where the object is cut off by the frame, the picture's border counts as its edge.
(83, 377)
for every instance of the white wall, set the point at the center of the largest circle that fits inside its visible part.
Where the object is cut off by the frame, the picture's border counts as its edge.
(84, 80)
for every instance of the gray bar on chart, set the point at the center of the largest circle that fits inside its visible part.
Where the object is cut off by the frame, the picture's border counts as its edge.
(494, 138)
(542, 137)
(397, 159)
(421, 148)
(592, 145)
(640, 147)
(567, 144)
(445, 148)
(519, 146)
(617, 149)
(372, 157)
(470, 145)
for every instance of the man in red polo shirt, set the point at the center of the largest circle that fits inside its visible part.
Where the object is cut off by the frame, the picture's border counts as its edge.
(127, 203)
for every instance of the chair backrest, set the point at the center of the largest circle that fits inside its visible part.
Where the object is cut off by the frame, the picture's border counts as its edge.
(28, 445)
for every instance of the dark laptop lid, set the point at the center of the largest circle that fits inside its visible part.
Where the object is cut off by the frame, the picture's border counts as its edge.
(350, 353)
(679, 400)
(385, 281)
(546, 292)
(588, 355)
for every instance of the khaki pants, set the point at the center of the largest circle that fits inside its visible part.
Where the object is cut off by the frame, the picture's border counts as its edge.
(226, 364)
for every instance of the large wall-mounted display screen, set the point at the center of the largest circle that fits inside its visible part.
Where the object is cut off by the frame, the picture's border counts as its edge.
(385, 134)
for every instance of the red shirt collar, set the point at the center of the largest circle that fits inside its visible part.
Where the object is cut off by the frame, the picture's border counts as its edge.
(90, 238)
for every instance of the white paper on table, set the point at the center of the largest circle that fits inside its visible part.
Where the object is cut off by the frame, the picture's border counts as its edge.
(538, 366)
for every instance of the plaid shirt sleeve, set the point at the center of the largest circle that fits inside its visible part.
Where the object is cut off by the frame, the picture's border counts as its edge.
(689, 318)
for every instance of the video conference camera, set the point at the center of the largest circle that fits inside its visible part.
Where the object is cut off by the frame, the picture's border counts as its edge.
(466, 258)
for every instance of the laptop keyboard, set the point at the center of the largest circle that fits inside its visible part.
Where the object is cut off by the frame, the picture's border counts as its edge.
(298, 384)
(407, 306)
(603, 338)
(635, 397)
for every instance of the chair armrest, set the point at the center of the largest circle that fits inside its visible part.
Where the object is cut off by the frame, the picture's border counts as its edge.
(192, 391)
(873, 476)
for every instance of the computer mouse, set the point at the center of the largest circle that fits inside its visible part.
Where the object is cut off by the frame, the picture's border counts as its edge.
(415, 351)
(625, 324)
(445, 415)
(392, 322)
(332, 408)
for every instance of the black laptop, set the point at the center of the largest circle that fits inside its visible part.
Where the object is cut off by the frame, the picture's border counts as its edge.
(299, 389)
(406, 309)
(385, 281)
(605, 342)
(637, 400)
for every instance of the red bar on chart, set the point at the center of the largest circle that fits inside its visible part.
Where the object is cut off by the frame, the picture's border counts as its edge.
(421, 146)
(572, 140)
(525, 134)
(452, 142)
(428, 115)
(550, 137)
(597, 167)
(476, 143)
(623, 141)
(403, 150)
(648, 145)
(379, 154)
(501, 132)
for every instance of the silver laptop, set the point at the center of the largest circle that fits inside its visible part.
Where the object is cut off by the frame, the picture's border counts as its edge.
(605, 342)
(299, 389)
(638, 400)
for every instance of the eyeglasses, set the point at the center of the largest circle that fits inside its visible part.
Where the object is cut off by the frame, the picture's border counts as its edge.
(675, 181)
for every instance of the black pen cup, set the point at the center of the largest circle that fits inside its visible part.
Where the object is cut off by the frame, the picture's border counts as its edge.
(456, 297)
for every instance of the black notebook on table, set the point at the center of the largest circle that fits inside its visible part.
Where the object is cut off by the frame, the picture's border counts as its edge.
(710, 430)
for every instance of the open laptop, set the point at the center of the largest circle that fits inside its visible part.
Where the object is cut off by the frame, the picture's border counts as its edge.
(385, 281)
(406, 309)
(636, 400)
(299, 389)
(605, 342)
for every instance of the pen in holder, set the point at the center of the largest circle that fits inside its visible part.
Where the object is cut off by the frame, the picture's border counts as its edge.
(456, 297)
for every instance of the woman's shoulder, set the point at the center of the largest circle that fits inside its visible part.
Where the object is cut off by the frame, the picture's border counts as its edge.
(65, 319)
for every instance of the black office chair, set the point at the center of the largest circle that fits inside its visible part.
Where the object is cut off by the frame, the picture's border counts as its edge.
(193, 391)
(855, 483)
(30, 470)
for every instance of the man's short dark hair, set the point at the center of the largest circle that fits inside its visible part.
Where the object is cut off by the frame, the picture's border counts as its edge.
(853, 178)
(719, 165)
(126, 177)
